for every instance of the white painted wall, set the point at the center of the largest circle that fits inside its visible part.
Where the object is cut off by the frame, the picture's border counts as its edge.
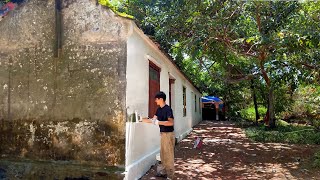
(183, 125)
(143, 140)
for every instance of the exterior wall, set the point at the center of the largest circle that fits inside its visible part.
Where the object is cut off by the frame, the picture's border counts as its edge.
(184, 124)
(143, 140)
(70, 107)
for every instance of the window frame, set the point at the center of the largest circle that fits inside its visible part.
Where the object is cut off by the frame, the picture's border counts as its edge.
(184, 103)
(195, 103)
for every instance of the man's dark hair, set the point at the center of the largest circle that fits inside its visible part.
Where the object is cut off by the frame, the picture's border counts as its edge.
(161, 95)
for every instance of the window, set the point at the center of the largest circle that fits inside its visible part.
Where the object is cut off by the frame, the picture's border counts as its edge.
(195, 103)
(154, 74)
(184, 101)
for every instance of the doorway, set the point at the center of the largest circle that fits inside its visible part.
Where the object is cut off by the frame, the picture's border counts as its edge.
(154, 87)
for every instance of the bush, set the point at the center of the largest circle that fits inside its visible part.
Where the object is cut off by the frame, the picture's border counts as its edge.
(284, 133)
(305, 106)
(250, 113)
(316, 162)
(242, 123)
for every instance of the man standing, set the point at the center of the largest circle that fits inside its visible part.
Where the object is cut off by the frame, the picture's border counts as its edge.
(164, 118)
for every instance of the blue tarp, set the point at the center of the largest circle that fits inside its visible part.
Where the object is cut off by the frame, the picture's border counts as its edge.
(207, 99)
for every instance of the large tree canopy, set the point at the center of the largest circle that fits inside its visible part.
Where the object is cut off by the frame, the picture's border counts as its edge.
(238, 47)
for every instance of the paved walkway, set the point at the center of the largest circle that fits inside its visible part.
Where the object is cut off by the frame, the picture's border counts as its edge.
(228, 154)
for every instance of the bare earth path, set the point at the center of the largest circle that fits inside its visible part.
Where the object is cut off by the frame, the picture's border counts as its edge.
(227, 154)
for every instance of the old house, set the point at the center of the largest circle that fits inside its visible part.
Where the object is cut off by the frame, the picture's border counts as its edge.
(72, 76)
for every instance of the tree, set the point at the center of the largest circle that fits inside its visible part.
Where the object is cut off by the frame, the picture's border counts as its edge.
(274, 42)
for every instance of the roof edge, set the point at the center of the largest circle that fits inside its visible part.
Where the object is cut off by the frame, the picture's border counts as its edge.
(164, 54)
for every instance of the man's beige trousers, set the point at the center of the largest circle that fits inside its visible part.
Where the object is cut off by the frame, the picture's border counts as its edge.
(167, 152)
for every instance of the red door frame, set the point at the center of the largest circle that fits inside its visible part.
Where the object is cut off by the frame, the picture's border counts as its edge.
(154, 87)
(171, 81)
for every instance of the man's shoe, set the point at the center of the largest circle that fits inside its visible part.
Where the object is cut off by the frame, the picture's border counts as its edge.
(161, 175)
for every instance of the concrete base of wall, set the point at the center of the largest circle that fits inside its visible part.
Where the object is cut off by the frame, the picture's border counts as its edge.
(140, 167)
(183, 135)
(30, 169)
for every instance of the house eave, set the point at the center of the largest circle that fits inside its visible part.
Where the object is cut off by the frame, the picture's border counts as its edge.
(165, 55)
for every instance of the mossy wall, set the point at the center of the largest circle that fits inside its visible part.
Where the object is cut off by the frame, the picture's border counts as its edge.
(68, 105)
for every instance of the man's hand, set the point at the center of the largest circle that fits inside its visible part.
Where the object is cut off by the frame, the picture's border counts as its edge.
(146, 120)
(155, 121)
(151, 121)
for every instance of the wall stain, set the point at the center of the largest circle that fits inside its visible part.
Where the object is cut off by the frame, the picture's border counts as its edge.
(66, 108)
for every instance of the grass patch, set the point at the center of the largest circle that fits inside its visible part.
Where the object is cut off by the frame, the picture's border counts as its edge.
(316, 162)
(284, 133)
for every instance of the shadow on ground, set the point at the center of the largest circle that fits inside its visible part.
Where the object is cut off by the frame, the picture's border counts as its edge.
(227, 154)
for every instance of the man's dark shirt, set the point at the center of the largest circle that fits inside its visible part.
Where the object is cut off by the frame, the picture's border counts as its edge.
(163, 114)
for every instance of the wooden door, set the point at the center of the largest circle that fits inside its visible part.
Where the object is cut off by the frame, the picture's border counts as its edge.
(154, 87)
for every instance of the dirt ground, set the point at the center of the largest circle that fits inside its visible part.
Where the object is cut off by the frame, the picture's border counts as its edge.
(227, 154)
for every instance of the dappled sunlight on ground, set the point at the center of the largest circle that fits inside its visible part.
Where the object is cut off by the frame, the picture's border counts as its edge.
(227, 154)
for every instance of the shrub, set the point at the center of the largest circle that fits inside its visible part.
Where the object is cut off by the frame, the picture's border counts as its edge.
(250, 113)
(284, 133)
(305, 106)
(316, 162)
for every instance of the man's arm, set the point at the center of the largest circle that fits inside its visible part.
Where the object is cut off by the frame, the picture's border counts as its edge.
(147, 120)
(170, 122)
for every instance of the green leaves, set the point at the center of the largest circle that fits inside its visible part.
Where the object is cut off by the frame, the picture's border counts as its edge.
(221, 44)
(114, 5)
(248, 40)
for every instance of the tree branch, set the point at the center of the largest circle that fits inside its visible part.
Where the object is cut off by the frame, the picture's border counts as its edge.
(309, 66)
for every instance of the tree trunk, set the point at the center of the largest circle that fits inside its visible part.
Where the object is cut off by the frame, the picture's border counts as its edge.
(272, 120)
(255, 102)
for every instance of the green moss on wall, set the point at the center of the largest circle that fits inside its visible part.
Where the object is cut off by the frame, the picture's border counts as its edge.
(114, 9)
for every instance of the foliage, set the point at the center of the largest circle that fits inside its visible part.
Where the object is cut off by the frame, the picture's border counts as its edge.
(283, 99)
(250, 114)
(3, 2)
(14, 1)
(285, 133)
(316, 162)
(113, 5)
(221, 45)
(305, 105)
(310, 96)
